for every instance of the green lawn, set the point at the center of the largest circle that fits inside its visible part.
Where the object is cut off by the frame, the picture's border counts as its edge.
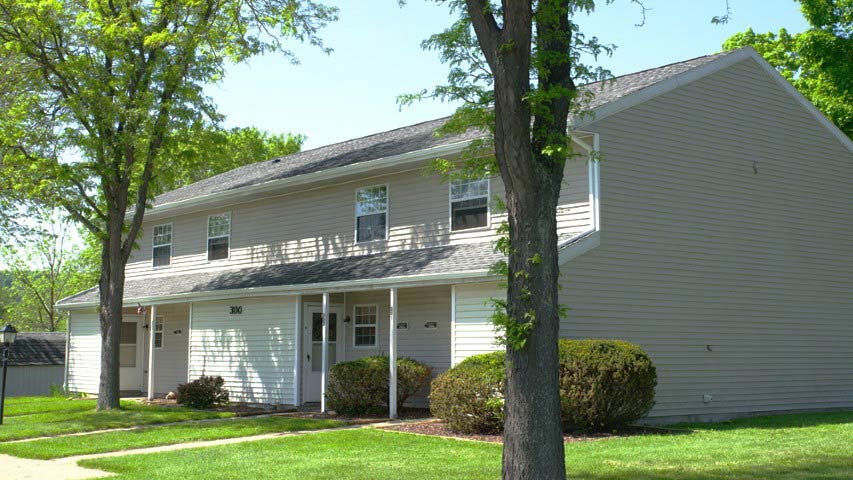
(814, 446)
(30, 417)
(161, 435)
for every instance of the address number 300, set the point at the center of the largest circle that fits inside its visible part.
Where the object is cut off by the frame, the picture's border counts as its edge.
(236, 309)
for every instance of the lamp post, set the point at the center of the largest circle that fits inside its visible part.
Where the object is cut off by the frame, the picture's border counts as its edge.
(7, 338)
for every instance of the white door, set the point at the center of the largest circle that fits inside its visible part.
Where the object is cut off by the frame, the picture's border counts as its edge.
(131, 353)
(312, 347)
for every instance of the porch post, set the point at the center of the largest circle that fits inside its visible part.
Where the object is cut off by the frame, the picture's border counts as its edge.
(325, 373)
(152, 329)
(392, 354)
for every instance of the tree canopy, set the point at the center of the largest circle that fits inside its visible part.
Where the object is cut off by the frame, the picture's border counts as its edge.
(96, 91)
(818, 61)
(203, 151)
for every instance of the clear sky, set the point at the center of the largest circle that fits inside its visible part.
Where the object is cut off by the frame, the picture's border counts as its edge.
(377, 56)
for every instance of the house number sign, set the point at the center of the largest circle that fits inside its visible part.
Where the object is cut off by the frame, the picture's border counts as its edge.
(236, 309)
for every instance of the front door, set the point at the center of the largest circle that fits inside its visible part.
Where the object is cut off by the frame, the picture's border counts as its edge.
(130, 353)
(312, 347)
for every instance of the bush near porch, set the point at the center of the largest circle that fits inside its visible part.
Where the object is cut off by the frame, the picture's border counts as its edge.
(603, 384)
(362, 386)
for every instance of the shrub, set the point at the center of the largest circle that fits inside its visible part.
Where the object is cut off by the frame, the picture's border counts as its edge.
(361, 386)
(605, 383)
(204, 392)
(469, 396)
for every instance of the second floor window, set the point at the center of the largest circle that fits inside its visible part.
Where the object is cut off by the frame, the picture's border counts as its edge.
(218, 236)
(162, 245)
(469, 204)
(371, 214)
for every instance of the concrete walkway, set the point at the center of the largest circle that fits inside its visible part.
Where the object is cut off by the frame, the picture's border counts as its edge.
(67, 468)
(26, 469)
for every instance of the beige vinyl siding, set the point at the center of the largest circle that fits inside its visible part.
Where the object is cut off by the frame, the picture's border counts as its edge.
(170, 362)
(319, 223)
(84, 351)
(738, 284)
(417, 306)
(253, 351)
(473, 332)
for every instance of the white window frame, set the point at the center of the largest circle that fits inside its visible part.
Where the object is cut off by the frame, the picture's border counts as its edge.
(170, 244)
(356, 326)
(161, 320)
(387, 213)
(209, 238)
(488, 206)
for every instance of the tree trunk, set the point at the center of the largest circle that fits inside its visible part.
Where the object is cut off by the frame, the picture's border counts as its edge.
(533, 437)
(533, 447)
(111, 285)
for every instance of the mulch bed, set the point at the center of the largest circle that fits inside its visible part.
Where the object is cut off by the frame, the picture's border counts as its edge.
(440, 429)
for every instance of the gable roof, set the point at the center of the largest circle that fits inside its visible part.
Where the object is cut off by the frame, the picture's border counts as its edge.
(38, 348)
(417, 137)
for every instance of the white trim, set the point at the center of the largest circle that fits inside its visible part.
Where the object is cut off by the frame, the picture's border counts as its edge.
(805, 102)
(297, 351)
(488, 206)
(151, 325)
(209, 238)
(392, 353)
(407, 281)
(659, 88)
(453, 325)
(689, 76)
(190, 342)
(375, 325)
(386, 212)
(68, 349)
(170, 244)
(325, 353)
(200, 202)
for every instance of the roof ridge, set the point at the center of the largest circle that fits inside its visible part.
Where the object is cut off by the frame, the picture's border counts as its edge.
(660, 67)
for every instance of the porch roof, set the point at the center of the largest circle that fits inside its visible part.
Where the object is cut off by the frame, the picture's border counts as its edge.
(471, 259)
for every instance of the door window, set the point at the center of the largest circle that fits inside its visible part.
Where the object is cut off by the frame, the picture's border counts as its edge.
(317, 340)
(127, 345)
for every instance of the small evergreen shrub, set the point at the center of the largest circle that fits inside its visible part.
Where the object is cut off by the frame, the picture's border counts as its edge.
(469, 396)
(362, 386)
(605, 383)
(204, 392)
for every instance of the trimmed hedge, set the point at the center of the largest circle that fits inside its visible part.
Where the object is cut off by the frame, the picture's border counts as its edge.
(204, 392)
(469, 396)
(603, 384)
(361, 386)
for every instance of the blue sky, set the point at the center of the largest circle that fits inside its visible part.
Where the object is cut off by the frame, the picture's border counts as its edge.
(377, 56)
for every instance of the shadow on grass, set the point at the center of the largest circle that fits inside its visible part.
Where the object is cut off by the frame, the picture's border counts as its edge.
(773, 422)
(816, 467)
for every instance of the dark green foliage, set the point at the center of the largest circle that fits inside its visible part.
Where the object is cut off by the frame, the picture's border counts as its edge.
(603, 384)
(469, 396)
(361, 386)
(205, 392)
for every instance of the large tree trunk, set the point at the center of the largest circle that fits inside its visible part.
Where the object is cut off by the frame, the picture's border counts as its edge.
(111, 286)
(533, 445)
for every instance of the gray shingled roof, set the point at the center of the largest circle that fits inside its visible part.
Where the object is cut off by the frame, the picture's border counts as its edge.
(425, 261)
(38, 348)
(402, 140)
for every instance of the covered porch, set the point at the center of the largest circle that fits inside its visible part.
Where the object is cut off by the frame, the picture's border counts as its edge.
(278, 350)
